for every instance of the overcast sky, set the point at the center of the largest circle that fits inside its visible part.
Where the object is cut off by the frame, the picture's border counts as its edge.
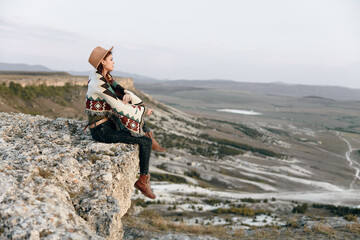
(292, 41)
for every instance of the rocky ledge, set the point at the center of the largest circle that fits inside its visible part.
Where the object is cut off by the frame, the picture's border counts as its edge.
(57, 183)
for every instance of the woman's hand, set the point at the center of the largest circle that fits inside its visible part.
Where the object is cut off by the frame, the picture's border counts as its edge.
(149, 112)
(126, 98)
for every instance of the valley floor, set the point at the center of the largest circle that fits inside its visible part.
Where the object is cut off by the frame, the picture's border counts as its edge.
(291, 173)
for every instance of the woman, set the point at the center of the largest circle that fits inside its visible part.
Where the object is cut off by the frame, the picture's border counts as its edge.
(117, 115)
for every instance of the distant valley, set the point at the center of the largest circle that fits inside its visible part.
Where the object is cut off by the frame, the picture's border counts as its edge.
(285, 168)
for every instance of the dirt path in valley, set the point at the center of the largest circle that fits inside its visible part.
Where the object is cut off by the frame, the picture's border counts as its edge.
(352, 163)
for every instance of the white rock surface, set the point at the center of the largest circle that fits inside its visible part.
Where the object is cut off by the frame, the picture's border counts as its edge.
(57, 183)
(183, 237)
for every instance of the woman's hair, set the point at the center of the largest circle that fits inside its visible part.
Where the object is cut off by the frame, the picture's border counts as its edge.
(101, 67)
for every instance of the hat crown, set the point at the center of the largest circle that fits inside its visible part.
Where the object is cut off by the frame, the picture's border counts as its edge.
(97, 55)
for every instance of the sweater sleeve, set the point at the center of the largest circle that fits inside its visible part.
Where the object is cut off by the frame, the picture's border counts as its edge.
(118, 89)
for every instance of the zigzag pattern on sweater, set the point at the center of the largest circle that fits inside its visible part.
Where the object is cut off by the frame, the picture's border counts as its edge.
(102, 100)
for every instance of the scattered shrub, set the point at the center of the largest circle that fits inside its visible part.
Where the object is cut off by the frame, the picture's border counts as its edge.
(34, 91)
(167, 177)
(193, 174)
(243, 147)
(253, 133)
(350, 218)
(243, 211)
(212, 201)
(278, 132)
(338, 210)
(140, 202)
(293, 223)
(250, 200)
(301, 208)
(323, 229)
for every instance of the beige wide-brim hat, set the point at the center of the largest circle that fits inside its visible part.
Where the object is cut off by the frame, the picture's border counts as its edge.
(97, 55)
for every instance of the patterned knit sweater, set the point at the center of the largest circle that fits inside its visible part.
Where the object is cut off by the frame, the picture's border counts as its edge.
(104, 99)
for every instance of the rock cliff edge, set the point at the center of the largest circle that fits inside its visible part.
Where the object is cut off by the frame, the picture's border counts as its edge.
(57, 183)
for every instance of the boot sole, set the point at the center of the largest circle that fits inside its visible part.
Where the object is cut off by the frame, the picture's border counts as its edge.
(156, 150)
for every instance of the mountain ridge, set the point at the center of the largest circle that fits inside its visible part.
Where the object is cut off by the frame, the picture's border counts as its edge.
(275, 88)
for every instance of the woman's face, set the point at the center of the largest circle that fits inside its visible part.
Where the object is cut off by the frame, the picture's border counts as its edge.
(108, 63)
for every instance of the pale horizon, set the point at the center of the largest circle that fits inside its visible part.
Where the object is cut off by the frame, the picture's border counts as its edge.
(295, 42)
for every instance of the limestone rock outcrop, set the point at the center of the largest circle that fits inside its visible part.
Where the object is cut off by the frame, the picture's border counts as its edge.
(57, 183)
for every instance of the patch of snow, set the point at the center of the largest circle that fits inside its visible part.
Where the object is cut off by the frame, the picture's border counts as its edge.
(345, 197)
(237, 222)
(196, 207)
(263, 186)
(252, 175)
(261, 220)
(237, 111)
(204, 221)
(255, 168)
(181, 236)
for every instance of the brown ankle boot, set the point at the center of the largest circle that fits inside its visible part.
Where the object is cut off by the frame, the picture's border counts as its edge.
(155, 144)
(143, 185)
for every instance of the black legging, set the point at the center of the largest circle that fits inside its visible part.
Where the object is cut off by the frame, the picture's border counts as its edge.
(107, 133)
